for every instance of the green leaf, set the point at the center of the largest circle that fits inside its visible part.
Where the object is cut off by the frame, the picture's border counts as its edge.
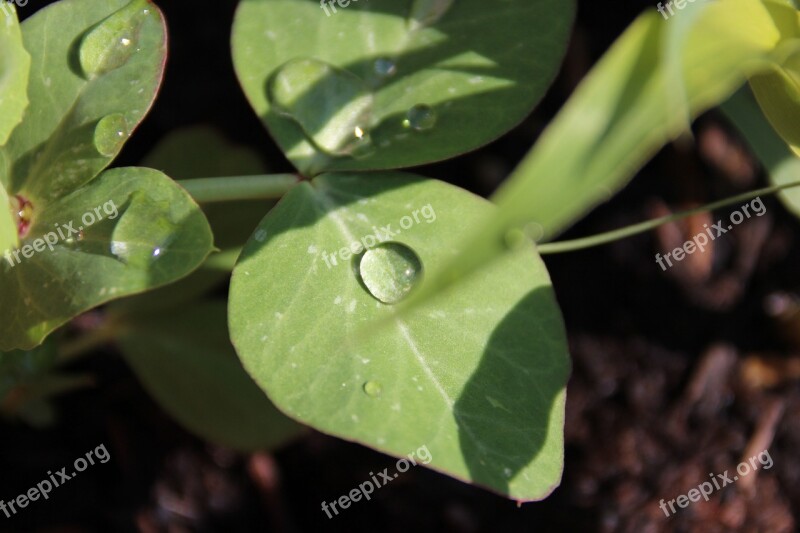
(184, 359)
(15, 64)
(782, 165)
(213, 155)
(145, 232)
(461, 76)
(478, 377)
(622, 113)
(79, 119)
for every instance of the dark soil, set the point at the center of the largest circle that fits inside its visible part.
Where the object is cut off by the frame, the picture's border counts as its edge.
(677, 374)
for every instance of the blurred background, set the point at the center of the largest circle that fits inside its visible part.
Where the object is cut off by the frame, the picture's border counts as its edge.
(677, 374)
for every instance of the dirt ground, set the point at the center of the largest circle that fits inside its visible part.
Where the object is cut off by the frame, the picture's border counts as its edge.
(678, 374)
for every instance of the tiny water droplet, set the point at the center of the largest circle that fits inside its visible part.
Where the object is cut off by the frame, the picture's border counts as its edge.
(332, 106)
(390, 271)
(427, 12)
(420, 118)
(385, 67)
(110, 134)
(112, 42)
(373, 389)
(515, 238)
(532, 232)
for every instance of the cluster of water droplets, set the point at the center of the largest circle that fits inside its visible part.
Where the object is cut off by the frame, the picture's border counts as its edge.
(107, 46)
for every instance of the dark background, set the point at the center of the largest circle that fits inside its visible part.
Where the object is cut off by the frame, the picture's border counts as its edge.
(676, 374)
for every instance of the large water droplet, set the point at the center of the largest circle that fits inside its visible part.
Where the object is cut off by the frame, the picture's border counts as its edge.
(373, 389)
(112, 42)
(332, 106)
(110, 134)
(427, 12)
(421, 117)
(390, 271)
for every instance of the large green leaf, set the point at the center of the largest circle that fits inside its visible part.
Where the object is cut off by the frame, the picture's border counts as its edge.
(146, 232)
(629, 105)
(475, 68)
(15, 65)
(478, 377)
(781, 163)
(95, 70)
(185, 360)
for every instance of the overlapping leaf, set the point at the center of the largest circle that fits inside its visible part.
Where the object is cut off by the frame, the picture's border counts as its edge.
(781, 163)
(185, 360)
(147, 232)
(623, 113)
(15, 65)
(78, 121)
(478, 377)
(84, 240)
(394, 83)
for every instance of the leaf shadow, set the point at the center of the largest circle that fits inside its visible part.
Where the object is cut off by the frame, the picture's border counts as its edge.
(514, 433)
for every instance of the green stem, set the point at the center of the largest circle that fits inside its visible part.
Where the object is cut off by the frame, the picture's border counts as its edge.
(610, 236)
(226, 189)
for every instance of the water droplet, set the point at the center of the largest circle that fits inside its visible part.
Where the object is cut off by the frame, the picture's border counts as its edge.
(385, 67)
(515, 238)
(110, 134)
(420, 118)
(112, 42)
(373, 389)
(427, 12)
(332, 106)
(389, 271)
(532, 232)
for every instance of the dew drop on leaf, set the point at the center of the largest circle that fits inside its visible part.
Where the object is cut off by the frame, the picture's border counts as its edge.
(390, 271)
(373, 389)
(420, 118)
(427, 12)
(112, 42)
(110, 134)
(332, 106)
(385, 67)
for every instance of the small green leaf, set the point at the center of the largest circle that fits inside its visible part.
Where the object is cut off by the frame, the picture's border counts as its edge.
(129, 230)
(78, 121)
(340, 91)
(15, 65)
(184, 359)
(621, 114)
(478, 377)
(781, 163)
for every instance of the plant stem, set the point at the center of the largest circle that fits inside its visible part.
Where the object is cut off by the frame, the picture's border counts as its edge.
(226, 189)
(610, 236)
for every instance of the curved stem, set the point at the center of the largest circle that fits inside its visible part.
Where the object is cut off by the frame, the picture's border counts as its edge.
(226, 189)
(610, 236)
